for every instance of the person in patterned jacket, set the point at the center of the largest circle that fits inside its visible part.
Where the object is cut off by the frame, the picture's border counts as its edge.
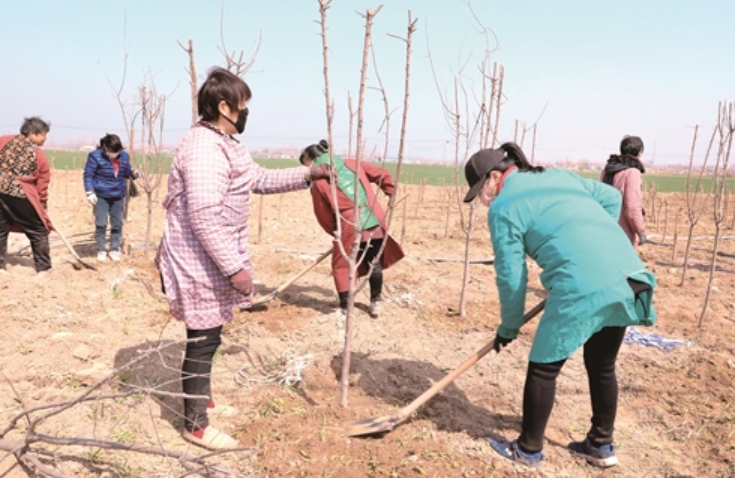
(24, 180)
(204, 258)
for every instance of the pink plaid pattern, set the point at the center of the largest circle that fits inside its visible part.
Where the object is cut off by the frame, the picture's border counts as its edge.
(206, 236)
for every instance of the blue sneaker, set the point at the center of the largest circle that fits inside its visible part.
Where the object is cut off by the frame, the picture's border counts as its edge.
(603, 456)
(511, 451)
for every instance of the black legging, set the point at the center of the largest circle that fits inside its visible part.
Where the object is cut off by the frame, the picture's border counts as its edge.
(20, 212)
(600, 354)
(370, 249)
(196, 374)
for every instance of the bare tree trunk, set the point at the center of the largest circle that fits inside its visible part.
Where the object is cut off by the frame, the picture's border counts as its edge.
(193, 80)
(694, 210)
(353, 260)
(676, 235)
(726, 128)
(466, 270)
(666, 220)
(491, 107)
(658, 214)
(712, 267)
(352, 117)
(652, 196)
(498, 103)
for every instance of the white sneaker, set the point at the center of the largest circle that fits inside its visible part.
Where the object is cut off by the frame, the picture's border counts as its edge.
(101, 256)
(115, 256)
(374, 308)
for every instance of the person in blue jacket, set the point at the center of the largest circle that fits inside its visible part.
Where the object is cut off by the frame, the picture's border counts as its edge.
(596, 287)
(105, 174)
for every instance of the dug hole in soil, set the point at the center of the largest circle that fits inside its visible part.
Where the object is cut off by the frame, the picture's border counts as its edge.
(63, 332)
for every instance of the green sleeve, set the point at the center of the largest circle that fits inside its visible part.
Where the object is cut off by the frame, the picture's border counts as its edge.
(511, 274)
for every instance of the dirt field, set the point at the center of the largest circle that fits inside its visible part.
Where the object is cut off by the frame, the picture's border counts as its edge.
(63, 332)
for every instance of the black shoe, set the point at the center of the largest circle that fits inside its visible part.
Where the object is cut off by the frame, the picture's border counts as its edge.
(603, 456)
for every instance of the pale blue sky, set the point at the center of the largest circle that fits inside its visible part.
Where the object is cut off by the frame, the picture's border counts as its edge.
(602, 69)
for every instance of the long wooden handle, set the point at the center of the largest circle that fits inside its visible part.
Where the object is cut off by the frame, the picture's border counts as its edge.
(439, 386)
(298, 276)
(293, 279)
(68, 246)
(319, 259)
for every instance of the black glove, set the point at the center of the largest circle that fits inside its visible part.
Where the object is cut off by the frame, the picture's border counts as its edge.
(321, 171)
(501, 342)
(242, 282)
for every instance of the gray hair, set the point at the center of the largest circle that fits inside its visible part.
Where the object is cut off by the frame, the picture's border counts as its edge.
(34, 125)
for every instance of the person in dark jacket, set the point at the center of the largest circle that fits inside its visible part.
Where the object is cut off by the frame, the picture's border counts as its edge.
(624, 172)
(105, 174)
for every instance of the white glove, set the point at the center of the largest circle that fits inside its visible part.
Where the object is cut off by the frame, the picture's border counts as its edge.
(92, 198)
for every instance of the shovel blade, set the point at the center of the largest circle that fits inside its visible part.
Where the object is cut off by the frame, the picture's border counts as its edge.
(369, 426)
(87, 264)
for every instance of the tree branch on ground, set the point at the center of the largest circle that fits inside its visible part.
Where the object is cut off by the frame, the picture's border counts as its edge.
(42, 451)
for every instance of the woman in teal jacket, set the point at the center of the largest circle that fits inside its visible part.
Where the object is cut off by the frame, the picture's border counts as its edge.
(568, 226)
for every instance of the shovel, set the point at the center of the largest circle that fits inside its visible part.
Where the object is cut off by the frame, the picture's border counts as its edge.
(71, 249)
(385, 424)
(282, 287)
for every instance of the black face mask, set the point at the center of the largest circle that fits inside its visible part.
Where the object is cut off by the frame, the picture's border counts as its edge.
(242, 118)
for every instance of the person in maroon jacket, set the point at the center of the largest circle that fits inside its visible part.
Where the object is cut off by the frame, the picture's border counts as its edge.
(24, 181)
(372, 220)
(625, 173)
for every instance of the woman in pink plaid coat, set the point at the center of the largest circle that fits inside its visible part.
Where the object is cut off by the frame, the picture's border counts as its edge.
(204, 259)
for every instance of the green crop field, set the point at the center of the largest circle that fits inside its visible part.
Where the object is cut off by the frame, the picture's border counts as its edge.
(74, 160)
(410, 173)
(667, 183)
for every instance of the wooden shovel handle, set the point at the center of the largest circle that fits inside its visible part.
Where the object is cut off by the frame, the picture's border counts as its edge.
(293, 279)
(439, 386)
(71, 249)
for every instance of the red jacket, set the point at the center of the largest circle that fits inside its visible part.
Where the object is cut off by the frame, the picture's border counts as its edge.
(35, 185)
(321, 195)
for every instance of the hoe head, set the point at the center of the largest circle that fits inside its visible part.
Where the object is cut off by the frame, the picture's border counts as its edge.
(370, 426)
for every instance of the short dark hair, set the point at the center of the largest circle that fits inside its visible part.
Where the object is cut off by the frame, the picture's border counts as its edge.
(111, 142)
(221, 85)
(314, 151)
(631, 145)
(34, 125)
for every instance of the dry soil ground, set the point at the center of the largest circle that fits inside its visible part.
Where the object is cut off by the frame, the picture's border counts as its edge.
(63, 332)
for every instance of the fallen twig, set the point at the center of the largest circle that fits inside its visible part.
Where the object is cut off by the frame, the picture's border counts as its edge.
(29, 449)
